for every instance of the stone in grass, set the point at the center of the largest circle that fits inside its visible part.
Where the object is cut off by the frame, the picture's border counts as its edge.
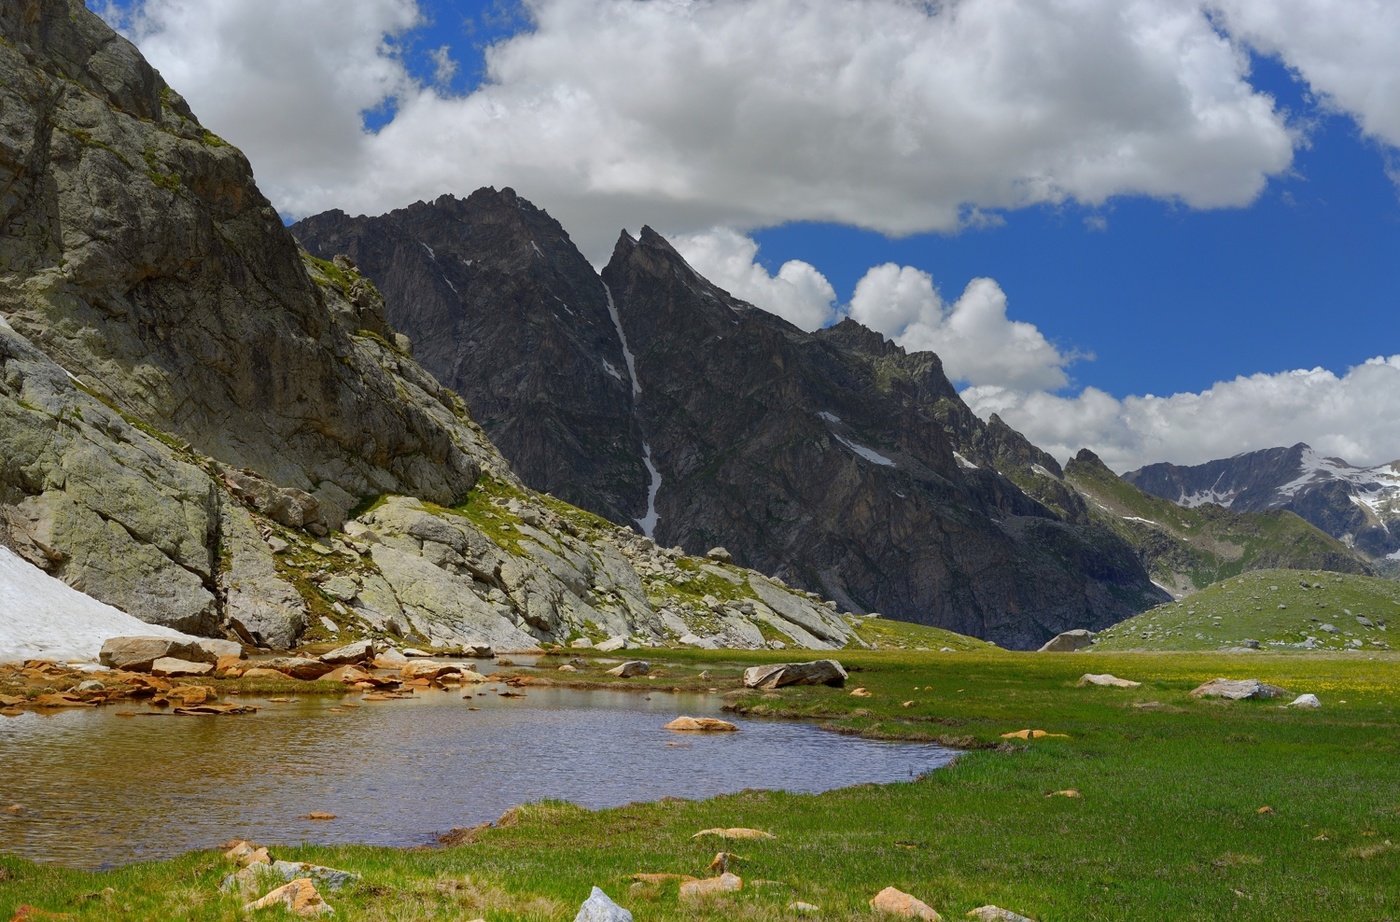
(996, 914)
(1237, 690)
(1304, 701)
(817, 672)
(612, 644)
(1068, 641)
(896, 902)
(300, 897)
(735, 832)
(804, 909)
(631, 668)
(710, 886)
(1106, 680)
(701, 725)
(599, 907)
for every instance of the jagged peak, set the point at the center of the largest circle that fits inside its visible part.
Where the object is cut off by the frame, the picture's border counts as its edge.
(857, 336)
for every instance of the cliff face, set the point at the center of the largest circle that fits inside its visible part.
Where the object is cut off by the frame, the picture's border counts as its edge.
(831, 459)
(192, 408)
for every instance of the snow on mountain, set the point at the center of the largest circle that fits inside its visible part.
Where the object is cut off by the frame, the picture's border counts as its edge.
(44, 618)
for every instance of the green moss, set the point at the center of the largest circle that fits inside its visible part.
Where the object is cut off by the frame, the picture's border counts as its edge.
(212, 140)
(170, 181)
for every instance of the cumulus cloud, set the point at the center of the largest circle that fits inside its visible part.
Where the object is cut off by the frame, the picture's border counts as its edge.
(887, 114)
(973, 336)
(1344, 49)
(798, 293)
(1353, 416)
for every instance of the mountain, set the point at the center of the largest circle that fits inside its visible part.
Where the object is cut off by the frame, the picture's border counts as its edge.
(209, 429)
(832, 459)
(1187, 549)
(1360, 506)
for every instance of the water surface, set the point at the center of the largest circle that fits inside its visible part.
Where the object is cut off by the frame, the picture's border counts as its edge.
(100, 790)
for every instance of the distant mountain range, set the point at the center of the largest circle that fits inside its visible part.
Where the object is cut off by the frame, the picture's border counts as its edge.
(1360, 506)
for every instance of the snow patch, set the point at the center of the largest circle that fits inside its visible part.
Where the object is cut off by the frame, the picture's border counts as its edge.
(430, 250)
(1043, 471)
(45, 618)
(538, 251)
(449, 283)
(1135, 518)
(829, 417)
(622, 338)
(608, 367)
(963, 462)
(868, 454)
(648, 522)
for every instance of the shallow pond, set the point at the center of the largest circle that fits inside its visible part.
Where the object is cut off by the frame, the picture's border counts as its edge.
(98, 789)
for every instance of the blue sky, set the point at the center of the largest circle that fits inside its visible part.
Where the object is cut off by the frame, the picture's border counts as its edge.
(1168, 197)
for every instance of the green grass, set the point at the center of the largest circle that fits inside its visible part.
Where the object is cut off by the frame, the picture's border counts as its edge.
(1167, 827)
(1274, 607)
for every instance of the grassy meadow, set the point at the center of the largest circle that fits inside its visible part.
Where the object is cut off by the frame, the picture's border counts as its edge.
(1170, 821)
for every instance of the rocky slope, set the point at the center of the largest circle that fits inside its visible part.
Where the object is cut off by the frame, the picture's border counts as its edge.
(1359, 506)
(196, 414)
(1187, 549)
(832, 459)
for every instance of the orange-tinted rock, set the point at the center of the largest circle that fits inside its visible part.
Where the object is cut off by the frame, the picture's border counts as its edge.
(299, 896)
(701, 725)
(710, 886)
(898, 903)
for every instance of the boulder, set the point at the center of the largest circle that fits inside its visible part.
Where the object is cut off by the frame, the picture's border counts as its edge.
(219, 648)
(898, 903)
(710, 886)
(1068, 642)
(1305, 701)
(299, 897)
(1237, 690)
(701, 725)
(719, 555)
(817, 672)
(331, 879)
(631, 668)
(138, 654)
(996, 914)
(1106, 680)
(429, 669)
(600, 908)
(298, 667)
(356, 652)
(612, 644)
(170, 666)
(262, 672)
(390, 659)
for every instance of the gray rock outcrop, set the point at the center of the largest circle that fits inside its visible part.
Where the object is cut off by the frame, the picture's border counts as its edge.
(817, 672)
(1068, 641)
(1238, 690)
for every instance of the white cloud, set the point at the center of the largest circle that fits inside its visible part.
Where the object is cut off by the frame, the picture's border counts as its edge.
(1346, 50)
(444, 67)
(888, 114)
(798, 293)
(1354, 416)
(973, 336)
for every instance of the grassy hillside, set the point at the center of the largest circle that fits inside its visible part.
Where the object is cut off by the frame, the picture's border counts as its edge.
(1279, 609)
(1188, 549)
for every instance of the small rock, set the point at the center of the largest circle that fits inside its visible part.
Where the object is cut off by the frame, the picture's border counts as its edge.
(317, 815)
(803, 909)
(630, 668)
(600, 908)
(701, 725)
(710, 886)
(1364, 621)
(1328, 628)
(1068, 641)
(568, 668)
(735, 832)
(329, 625)
(860, 692)
(1304, 701)
(581, 643)
(1107, 680)
(1067, 792)
(169, 666)
(612, 644)
(299, 667)
(996, 914)
(1237, 689)
(390, 659)
(299, 896)
(719, 555)
(898, 903)
(16, 810)
(817, 672)
(351, 653)
(1032, 735)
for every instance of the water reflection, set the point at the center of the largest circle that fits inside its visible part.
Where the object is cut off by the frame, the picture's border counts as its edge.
(100, 789)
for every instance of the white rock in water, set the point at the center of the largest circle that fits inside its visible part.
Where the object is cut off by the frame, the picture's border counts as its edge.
(600, 908)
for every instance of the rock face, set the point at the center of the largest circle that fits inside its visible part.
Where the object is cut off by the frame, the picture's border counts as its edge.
(1360, 506)
(833, 459)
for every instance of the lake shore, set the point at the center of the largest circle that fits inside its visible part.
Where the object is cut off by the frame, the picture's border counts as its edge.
(1150, 806)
